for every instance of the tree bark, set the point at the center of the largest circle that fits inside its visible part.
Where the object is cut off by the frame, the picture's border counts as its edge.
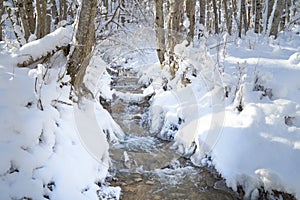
(48, 20)
(258, 16)
(241, 10)
(244, 16)
(175, 36)
(29, 10)
(202, 11)
(277, 18)
(208, 23)
(228, 16)
(24, 21)
(268, 10)
(190, 11)
(13, 15)
(159, 30)
(54, 12)
(85, 39)
(1, 13)
(216, 18)
(63, 10)
(41, 21)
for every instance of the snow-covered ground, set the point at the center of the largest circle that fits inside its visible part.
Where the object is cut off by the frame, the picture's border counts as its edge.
(244, 120)
(41, 153)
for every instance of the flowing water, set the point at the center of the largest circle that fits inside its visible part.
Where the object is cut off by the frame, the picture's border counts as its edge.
(146, 167)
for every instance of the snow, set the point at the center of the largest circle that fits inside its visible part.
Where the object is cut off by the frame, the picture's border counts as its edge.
(41, 47)
(42, 153)
(251, 134)
(258, 146)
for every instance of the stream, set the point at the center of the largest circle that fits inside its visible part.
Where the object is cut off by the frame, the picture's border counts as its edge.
(144, 166)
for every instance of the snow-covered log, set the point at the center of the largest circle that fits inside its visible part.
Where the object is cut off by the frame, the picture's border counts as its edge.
(42, 48)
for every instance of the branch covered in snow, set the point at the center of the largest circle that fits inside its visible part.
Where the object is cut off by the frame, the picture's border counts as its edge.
(44, 47)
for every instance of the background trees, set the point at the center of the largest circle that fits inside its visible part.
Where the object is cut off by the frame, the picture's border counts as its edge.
(236, 17)
(174, 21)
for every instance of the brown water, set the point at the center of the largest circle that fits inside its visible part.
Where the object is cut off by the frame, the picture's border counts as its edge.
(146, 167)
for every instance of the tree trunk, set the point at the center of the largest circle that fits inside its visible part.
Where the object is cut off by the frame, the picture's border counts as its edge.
(268, 11)
(235, 12)
(241, 10)
(216, 18)
(175, 36)
(202, 15)
(14, 16)
(277, 18)
(54, 12)
(1, 13)
(25, 23)
(190, 11)
(63, 10)
(41, 11)
(159, 30)
(48, 20)
(228, 16)
(209, 20)
(105, 4)
(85, 41)
(258, 16)
(244, 16)
(30, 15)
(287, 13)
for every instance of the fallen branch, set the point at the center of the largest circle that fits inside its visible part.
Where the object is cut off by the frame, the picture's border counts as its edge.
(30, 60)
(45, 47)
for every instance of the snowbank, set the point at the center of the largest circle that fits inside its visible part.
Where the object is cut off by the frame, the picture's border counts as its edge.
(40, 149)
(248, 124)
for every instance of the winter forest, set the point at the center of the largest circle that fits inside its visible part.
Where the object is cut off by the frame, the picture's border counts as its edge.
(159, 99)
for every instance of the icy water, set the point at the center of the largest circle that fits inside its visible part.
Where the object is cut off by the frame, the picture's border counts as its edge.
(144, 166)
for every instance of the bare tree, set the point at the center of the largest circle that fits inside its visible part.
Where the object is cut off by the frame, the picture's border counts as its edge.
(85, 41)
(159, 30)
